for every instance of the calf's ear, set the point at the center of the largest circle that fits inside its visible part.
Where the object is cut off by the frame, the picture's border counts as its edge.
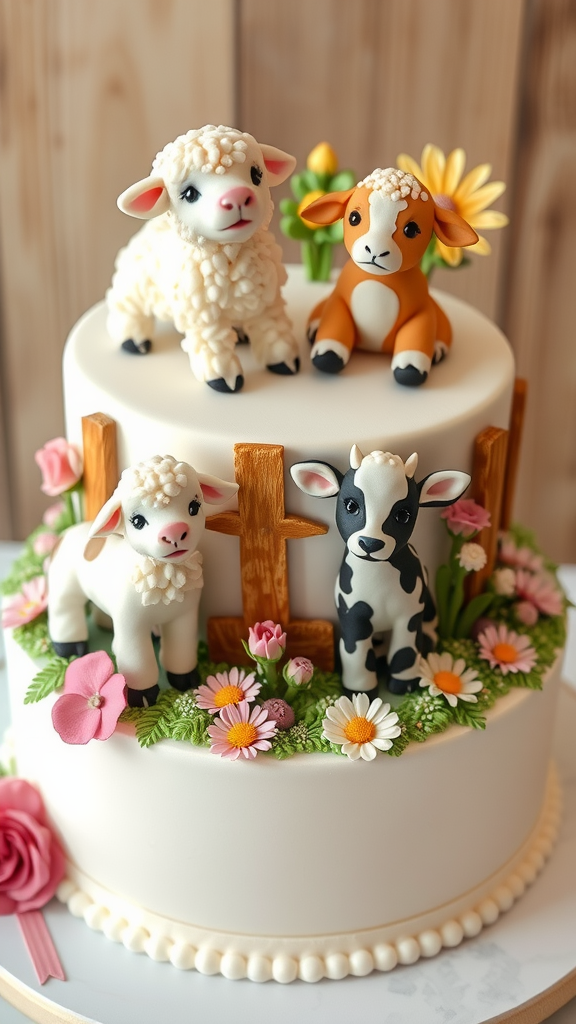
(443, 488)
(109, 519)
(145, 199)
(327, 209)
(452, 229)
(318, 479)
(279, 165)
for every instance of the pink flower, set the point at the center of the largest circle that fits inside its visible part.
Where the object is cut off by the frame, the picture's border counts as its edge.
(279, 712)
(60, 464)
(227, 688)
(466, 517)
(506, 650)
(92, 701)
(298, 671)
(32, 862)
(526, 612)
(45, 542)
(540, 591)
(53, 513)
(239, 732)
(519, 558)
(266, 640)
(27, 605)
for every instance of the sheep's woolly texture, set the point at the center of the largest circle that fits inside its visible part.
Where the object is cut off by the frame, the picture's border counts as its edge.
(394, 183)
(154, 482)
(212, 149)
(162, 582)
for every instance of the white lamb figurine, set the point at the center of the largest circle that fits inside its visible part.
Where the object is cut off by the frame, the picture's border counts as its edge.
(206, 260)
(138, 563)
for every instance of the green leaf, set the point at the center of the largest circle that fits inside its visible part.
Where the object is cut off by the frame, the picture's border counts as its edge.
(33, 637)
(293, 227)
(473, 610)
(342, 181)
(299, 187)
(443, 581)
(288, 206)
(469, 714)
(48, 679)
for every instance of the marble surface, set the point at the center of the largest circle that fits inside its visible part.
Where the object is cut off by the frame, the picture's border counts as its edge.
(525, 952)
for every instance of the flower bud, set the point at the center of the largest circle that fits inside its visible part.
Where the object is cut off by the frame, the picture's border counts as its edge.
(322, 159)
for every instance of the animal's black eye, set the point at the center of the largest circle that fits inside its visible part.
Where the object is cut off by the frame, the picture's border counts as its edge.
(351, 506)
(354, 218)
(255, 174)
(138, 521)
(411, 229)
(190, 194)
(194, 507)
(403, 516)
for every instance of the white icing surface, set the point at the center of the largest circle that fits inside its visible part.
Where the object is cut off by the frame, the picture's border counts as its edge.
(361, 856)
(161, 408)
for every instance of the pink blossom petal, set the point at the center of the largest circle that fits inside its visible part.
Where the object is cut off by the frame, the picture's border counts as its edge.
(19, 794)
(74, 721)
(88, 674)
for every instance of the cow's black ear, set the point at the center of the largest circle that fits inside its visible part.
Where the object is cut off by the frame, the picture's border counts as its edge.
(319, 479)
(443, 488)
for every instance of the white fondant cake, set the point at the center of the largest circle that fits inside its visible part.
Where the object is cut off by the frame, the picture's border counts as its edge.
(363, 864)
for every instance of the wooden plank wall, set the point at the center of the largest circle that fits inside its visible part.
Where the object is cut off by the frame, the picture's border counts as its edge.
(90, 91)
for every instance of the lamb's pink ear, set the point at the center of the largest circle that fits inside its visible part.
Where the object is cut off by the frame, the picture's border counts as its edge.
(145, 199)
(109, 519)
(443, 488)
(214, 490)
(451, 228)
(318, 479)
(329, 208)
(278, 164)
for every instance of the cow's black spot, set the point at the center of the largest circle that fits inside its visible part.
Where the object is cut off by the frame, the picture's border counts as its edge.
(409, 567)
(371, 660)
(346, 522)
(404, 509)
(403, 659)
(345, 579)
(429, 606)
(355, 622)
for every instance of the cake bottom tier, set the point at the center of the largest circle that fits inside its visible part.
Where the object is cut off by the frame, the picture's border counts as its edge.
(316, 866)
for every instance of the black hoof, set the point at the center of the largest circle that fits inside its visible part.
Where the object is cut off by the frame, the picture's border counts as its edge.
(409, 376)
(283, 369)
(142, 698)
(328, 362)
(76, 649)
(219, 384)
(371, 694)
(140, 348)
(184, 680)
(242, 337)
(403, 685)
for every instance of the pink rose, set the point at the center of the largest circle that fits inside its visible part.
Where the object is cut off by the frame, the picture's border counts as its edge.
(32, 862)
(60, 464)
(266, 640)
(466, 517)
(298, 671)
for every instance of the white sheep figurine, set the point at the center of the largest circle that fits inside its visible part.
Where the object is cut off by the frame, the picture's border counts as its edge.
(138, 563)
(206, 260)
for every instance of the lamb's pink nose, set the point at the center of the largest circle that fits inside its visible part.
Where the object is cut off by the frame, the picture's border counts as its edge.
(174, 534)
(237, 197)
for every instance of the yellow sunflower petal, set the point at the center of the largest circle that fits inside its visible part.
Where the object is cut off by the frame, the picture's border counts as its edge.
(452, 254)
(408, 163)
(473, 180)
(482, 247)
(433, 164)
(484, 197)
(455, 164)
(489, 219)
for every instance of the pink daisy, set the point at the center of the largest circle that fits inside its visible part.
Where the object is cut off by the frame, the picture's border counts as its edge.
(27, 605)
(92, 702)
(506, 650)
(519, 558)
(540, 591)
(238, 731)
(225, 689)
(45, 542)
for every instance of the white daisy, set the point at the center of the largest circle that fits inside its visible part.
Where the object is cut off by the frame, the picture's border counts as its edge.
(442, 675)
(360, 727)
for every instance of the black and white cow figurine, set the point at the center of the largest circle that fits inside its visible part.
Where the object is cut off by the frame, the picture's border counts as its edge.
(382, 584)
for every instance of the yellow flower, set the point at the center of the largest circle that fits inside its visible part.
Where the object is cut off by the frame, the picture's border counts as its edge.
(469, 196)
(309, 198)
(322, 159)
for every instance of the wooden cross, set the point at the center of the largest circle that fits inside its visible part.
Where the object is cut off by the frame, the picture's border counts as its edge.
(100, 461)
(263, 527)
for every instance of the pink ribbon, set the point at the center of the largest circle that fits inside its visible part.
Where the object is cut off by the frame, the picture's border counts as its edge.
(40, 947)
